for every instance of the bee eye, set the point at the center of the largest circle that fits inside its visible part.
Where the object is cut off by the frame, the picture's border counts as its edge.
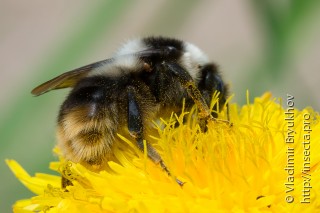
(215, 82)
(199, 66)
(211, 80)
(218, 84)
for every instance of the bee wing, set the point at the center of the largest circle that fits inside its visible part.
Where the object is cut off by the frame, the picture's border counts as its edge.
(68, 79)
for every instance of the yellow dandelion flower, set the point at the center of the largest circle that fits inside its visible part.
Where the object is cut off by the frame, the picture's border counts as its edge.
(267, 161)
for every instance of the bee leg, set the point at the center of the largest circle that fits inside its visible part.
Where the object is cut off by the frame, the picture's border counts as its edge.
(135, 127)
(228, 112)
(188, 83)
(65, 182)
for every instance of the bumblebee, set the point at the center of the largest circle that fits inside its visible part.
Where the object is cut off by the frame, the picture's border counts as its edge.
(146, 79)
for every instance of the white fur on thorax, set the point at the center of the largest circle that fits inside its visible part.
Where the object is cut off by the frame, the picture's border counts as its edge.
(124, 61)
(130, 47)
(192, 58)
(119, 66)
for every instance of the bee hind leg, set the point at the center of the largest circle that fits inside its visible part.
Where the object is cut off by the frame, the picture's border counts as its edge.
(135, 127)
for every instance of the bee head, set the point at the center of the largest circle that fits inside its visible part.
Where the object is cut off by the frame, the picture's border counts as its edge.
(211, 81)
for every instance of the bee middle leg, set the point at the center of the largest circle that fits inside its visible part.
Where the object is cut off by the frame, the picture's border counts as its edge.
(135, 127)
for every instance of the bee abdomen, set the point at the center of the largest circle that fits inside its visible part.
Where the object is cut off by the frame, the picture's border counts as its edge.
(86, 138)
(91, 147)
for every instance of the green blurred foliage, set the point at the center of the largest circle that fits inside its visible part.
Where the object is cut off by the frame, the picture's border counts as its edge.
(282, 24)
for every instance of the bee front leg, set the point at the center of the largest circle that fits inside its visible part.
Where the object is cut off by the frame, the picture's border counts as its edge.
(65, 182)
(188, 83)
(135, 127)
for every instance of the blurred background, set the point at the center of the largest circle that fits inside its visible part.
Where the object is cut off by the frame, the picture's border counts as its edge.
(260, 46)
